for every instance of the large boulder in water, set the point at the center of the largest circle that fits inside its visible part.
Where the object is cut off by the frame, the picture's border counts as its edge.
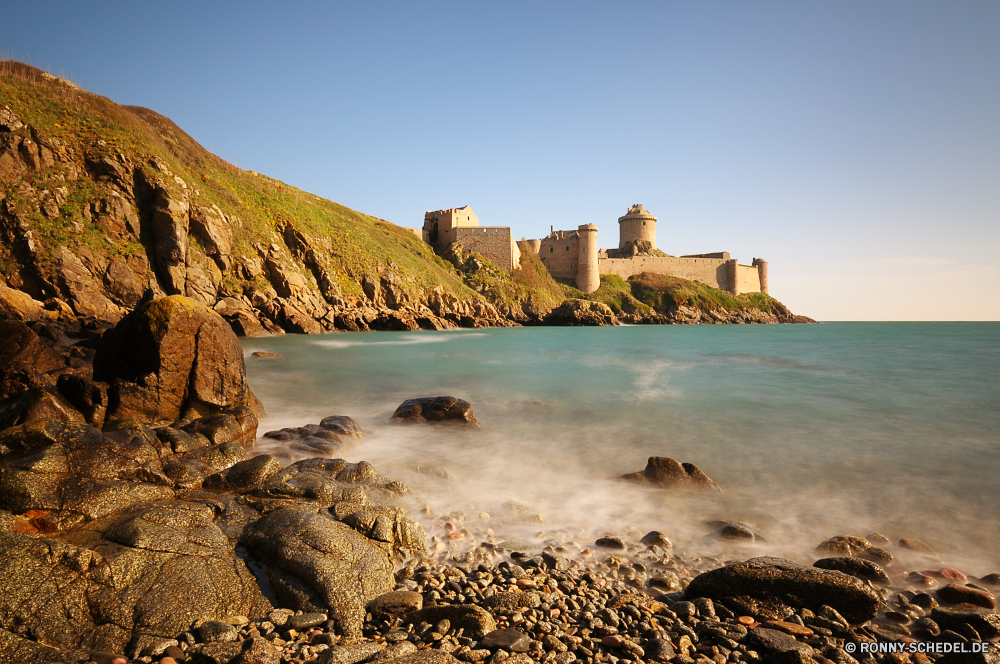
(435, 409)
(172, 359)
(668, 473)
(774, 588)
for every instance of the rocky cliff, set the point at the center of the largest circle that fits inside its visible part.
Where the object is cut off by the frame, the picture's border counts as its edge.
(103, 206)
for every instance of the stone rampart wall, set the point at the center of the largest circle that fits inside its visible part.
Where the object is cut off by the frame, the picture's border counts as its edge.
(561, 256)
(494, 242)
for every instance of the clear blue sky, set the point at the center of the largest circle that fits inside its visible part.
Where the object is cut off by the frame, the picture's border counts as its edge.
(854, 145)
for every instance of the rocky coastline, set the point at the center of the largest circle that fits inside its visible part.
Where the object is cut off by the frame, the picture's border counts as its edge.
(139, 524)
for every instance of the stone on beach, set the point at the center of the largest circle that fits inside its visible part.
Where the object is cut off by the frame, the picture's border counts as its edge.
(773, 588)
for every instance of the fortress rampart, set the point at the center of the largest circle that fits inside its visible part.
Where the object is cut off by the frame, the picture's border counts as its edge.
(442, 227)
(575, 255)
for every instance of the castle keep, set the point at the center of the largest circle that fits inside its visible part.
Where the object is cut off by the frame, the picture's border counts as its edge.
(575, 254)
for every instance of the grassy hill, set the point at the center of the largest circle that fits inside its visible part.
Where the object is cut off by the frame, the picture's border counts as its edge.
(76, 154)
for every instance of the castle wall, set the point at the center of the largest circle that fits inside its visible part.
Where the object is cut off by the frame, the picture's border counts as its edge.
(448, 222)
(711, 271)
(747, 279)
(494, 242)
(560, 253)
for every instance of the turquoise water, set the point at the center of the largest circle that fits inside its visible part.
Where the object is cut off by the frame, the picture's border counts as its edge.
(812, 430)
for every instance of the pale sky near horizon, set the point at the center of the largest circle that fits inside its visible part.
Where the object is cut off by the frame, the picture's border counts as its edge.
(854, 145)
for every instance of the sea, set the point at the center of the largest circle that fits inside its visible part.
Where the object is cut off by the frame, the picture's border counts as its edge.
(812, 431)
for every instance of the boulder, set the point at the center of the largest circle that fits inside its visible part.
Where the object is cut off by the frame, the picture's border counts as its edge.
(20, 306)
(156, 570)
(333, 435)
(865, 570)
(857, 547)
(983, 620)
(315, 563)
(24, 359)
(89, 397)
(81, 290)
(581, 313)
(774, 588)
(435, 409)
(476, 621)
(667, 473)
(170, 359)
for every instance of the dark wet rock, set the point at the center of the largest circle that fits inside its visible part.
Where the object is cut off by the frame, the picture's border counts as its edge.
(89, 397)
(555, 562)
(305, 621)
(181, 441)
(236, 425)
(991, 580)
(170, 359)
(396, 603)
(581, 313)
(665, 582)
(476, 622)
(510, 640)
(917, 546)
(40, 404)
(774, 640)
(334, 434)
(667, 473)
(656, 538)
(316, 563)
(957, 594)
(435, 409)
(264, 355)
(349, 654)
(735, 531)
(856, 547)
(862, 569)
(773, 588)
(612, 542)
(984, 621)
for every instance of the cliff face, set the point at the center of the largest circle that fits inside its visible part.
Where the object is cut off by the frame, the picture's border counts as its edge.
(103, 206)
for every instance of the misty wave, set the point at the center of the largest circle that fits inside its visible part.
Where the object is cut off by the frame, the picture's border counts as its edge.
(422, 339)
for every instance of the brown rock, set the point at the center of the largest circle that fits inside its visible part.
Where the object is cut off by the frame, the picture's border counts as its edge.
(956, 594)
(581, 313)
(668, 473)
(168, 357)
(788, 628)
(917, 546)
(20, 306)
(435, 409)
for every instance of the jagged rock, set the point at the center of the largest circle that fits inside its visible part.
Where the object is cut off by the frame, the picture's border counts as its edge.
(247, 475)
(236, 425)
(169, 220)
(334, 434)
(435, 409)
(24, 359)
(89, 397)
(581, 312)
(208, 225)
(122, 285)
(246, 324)
(774, 588)
(20, 306)
(81, 290)
(171, 358)
(316, 563)
(667, 473)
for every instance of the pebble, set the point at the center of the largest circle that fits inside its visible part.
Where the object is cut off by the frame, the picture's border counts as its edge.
(956, 594)
(510, 640)
(305, 621)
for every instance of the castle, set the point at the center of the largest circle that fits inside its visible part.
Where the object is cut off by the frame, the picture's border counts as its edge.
(575, 254)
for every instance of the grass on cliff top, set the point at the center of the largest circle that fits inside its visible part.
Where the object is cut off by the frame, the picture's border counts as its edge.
(359, 245)
(647, 292)
(529, 284)
(665, 293)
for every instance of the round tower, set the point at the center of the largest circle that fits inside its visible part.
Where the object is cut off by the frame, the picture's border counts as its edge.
(637, 224)
(761, 273)
(588, 279)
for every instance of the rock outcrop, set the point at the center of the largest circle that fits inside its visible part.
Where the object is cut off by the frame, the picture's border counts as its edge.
(438, 410)
(172, 359)
(581, 313)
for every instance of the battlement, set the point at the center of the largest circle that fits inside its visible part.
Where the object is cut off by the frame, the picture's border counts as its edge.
(570, 254)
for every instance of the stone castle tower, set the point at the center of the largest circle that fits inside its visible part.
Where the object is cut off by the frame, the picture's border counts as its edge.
(637, 224)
